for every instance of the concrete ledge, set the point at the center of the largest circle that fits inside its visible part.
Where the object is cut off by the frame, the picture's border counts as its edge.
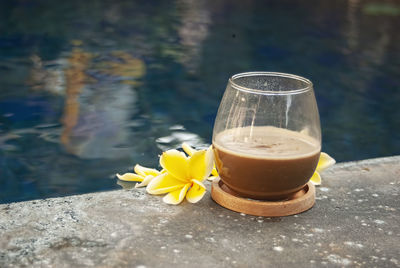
(355, 222)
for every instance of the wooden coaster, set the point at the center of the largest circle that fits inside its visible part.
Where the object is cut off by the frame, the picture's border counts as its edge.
(299, 202)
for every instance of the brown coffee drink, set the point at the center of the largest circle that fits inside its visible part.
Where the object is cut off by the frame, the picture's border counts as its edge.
(265, 162)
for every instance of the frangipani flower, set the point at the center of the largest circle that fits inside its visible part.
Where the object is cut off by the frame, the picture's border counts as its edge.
(190, 151)
(143, 175)
(324, 162)
(184, 176)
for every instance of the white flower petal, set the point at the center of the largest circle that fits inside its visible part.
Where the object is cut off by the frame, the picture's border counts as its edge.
(196, 192)
(145, 182)
(201, 164)
(316, 178)
(144, 171)
(188, 149)
(324, 162)
(176, 163)
(129, 177)
(176, 197)
(211, 178)
(164, 183)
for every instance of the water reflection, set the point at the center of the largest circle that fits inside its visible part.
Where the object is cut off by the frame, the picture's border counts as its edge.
(95, 111)
(178, 135)
(353, 31)
(75, 80)
(195, 23)
(96, 108)
(46, 76)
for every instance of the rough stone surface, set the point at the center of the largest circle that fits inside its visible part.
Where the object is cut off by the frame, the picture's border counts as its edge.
(355, 222)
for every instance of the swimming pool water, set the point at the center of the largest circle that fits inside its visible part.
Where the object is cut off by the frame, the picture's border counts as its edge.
(89, 88)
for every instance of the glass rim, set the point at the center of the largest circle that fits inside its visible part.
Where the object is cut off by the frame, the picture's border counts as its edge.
(308, 86)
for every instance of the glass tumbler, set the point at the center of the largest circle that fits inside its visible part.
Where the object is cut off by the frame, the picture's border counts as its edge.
(267, 135)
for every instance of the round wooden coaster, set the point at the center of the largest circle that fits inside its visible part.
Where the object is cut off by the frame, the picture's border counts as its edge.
(299, 202)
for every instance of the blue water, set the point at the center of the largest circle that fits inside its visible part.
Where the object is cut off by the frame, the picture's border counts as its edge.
(89, 88)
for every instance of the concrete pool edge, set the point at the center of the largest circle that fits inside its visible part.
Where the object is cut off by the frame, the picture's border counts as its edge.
(125, 228)
(339, 165)
(368, 161)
